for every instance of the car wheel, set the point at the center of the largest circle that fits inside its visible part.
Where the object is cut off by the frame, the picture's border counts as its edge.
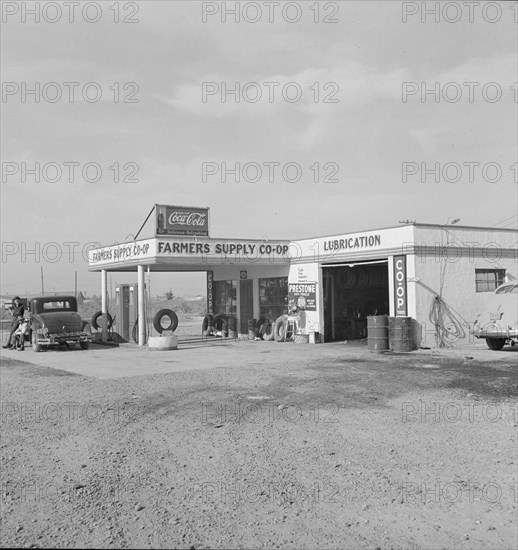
(34, 340)
(84, 345)
(495, 343)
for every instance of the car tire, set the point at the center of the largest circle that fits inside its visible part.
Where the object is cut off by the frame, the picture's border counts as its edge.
(495, 343)
(36, 347)
(207, 324)
(97, 316)
(279, 328)
(220, 323)
(173, 318)
(268, 331)
(84, 345)
(260, 327)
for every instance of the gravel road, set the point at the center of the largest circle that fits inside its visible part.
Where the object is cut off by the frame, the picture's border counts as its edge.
(353, 450)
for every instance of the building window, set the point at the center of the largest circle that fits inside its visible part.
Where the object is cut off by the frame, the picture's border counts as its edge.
(486, 280)
(273, 297)
(225, 297)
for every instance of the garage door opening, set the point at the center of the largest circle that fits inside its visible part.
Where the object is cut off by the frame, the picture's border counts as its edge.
(351, 293)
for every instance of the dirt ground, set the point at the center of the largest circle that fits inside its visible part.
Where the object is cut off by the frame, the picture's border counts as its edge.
(333, 447)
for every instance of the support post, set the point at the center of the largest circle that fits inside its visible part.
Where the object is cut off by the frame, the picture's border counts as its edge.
(141, 308)
(104, 305)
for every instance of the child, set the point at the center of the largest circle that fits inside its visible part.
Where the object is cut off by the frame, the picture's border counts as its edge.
(19, 335)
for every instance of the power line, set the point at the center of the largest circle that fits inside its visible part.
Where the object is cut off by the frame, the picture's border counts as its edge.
(504, 220)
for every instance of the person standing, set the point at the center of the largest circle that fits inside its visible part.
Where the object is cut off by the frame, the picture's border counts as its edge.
(17, 311)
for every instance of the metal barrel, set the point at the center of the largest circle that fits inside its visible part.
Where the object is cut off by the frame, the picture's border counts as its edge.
(401, 334)
(377, 333)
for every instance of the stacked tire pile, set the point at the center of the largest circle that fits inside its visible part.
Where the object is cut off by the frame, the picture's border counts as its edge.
(267, 330)
(261, 329)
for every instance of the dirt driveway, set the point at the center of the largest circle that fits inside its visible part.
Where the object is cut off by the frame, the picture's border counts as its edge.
(276, 447)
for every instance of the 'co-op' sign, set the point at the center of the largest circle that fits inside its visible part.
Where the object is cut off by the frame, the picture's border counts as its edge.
(400, 301)
(139, 249)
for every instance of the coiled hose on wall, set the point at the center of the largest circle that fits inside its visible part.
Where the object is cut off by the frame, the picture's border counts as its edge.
(449, 326)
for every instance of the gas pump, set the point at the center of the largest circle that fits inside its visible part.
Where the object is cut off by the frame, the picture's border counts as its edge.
(126, 304)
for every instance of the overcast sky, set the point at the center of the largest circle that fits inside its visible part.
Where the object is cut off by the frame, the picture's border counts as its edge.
(167, 132)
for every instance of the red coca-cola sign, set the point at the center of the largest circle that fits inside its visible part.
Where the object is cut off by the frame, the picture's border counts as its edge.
(182, 220)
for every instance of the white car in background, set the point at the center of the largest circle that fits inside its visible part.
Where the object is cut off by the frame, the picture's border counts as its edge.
(499, 324)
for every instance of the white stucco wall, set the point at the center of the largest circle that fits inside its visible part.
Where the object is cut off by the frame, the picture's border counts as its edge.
(445, 266)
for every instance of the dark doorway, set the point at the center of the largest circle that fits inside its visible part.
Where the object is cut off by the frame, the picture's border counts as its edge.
(246, 307)
(352, 292)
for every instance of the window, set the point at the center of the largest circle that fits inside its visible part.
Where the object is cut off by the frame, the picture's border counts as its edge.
(487, 280)
(58, 305)
(273, 297)
(225, 297)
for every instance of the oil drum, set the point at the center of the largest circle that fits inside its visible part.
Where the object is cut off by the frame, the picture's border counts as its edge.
(401, 334)
(377, 333)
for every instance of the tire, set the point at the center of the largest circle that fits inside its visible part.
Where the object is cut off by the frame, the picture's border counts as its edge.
(34, 341)
(207, 324)
(495, 343)
(260, 328)
(220, 323)
(84, 345)
(279, 328)
(173, 318)
(268, 331)
(96, 316)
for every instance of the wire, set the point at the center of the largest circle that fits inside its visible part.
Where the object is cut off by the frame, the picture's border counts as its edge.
(505, 219)
(449, 325)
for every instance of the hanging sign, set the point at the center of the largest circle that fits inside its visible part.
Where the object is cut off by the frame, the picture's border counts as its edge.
(181, 220)
(303, 296)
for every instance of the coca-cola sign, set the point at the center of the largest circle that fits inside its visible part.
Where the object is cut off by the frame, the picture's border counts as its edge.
(182, 220)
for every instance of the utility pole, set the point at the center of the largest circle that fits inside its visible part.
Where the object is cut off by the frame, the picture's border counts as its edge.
(42, 288)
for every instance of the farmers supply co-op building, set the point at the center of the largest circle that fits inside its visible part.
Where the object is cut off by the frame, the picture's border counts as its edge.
(439, 275)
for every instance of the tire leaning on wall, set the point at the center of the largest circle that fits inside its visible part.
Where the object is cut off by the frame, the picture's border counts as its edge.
(220, 323)
(157, 320)
(260, 327)
(279, 328)
(207, 324)
(97, 316)
(268, 331)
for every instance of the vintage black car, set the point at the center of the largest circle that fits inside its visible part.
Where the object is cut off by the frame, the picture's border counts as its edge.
(54, 321)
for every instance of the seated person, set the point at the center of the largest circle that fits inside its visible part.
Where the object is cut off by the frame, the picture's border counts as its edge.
(17, 311)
